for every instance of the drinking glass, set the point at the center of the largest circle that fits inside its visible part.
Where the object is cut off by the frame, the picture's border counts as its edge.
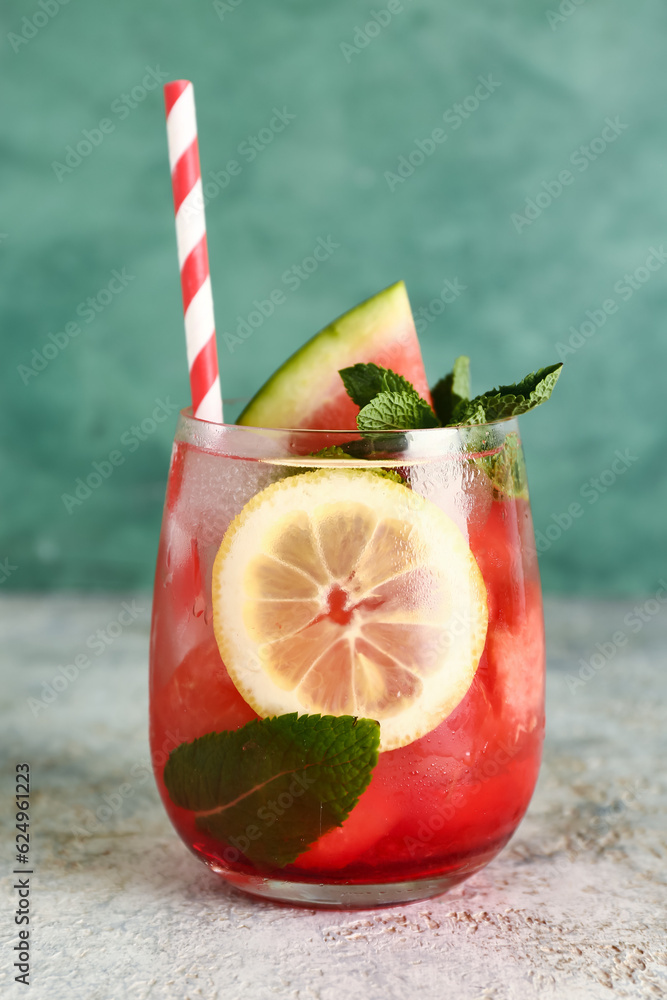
(438, 524)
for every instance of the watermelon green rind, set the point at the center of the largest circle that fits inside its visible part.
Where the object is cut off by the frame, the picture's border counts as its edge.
(308, 381)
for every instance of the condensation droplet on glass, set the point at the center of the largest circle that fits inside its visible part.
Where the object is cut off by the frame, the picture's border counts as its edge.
(199, 606)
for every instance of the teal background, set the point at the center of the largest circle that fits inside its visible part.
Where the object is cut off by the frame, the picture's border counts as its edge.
(325, 175)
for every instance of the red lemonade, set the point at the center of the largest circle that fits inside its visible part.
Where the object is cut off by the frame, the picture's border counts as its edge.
(436, 809)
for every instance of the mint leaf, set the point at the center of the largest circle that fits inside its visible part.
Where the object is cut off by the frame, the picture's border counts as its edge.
(506, 468)
(396, 411)
(452, 390)
(509, 400)
(331, 451)
(273, 787)
(387, 401)
(365, 381)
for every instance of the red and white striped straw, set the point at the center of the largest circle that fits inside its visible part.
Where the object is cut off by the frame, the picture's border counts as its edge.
(192, 250)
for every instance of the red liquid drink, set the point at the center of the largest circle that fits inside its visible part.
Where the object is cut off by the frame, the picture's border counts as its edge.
(441, 806)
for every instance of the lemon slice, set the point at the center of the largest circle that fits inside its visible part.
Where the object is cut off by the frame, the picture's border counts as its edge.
(343, 593)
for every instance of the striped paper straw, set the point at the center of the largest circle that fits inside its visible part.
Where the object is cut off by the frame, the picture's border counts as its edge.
(192, 250)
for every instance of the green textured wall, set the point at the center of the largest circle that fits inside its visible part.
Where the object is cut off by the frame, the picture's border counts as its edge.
(360, 100)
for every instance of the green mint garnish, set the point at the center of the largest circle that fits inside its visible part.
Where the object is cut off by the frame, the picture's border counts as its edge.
(505, 468)
(332, 451)
(364, 382)
(387, 401)
(509, 400)
(396, 411)
(452, 390)
(402, 408)
(273, 787)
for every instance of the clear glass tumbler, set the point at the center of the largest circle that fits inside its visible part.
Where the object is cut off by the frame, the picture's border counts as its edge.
(347, 657)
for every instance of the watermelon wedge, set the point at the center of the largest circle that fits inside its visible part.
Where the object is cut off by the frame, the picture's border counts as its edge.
(307, 391)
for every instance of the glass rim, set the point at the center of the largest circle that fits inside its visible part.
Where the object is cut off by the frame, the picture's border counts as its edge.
(299, 446)
(186, 414)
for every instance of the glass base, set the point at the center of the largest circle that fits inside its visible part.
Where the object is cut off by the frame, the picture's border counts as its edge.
(348, 896)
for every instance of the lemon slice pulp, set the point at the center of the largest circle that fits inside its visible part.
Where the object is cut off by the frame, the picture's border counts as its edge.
(343, 593)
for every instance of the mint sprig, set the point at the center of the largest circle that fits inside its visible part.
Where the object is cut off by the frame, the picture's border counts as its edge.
(273, 787)
(396, 411)
(402, 408)
(387, 401)
(331, 451)
(452, 390)
(509, 400)
(364, 382)
(506, 468)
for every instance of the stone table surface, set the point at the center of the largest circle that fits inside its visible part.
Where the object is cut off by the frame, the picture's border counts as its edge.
(574, 908)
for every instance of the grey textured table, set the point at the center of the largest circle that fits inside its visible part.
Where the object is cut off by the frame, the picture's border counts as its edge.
(574, 908)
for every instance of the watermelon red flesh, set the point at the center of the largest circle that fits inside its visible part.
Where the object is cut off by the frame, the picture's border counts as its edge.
(308, 392)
